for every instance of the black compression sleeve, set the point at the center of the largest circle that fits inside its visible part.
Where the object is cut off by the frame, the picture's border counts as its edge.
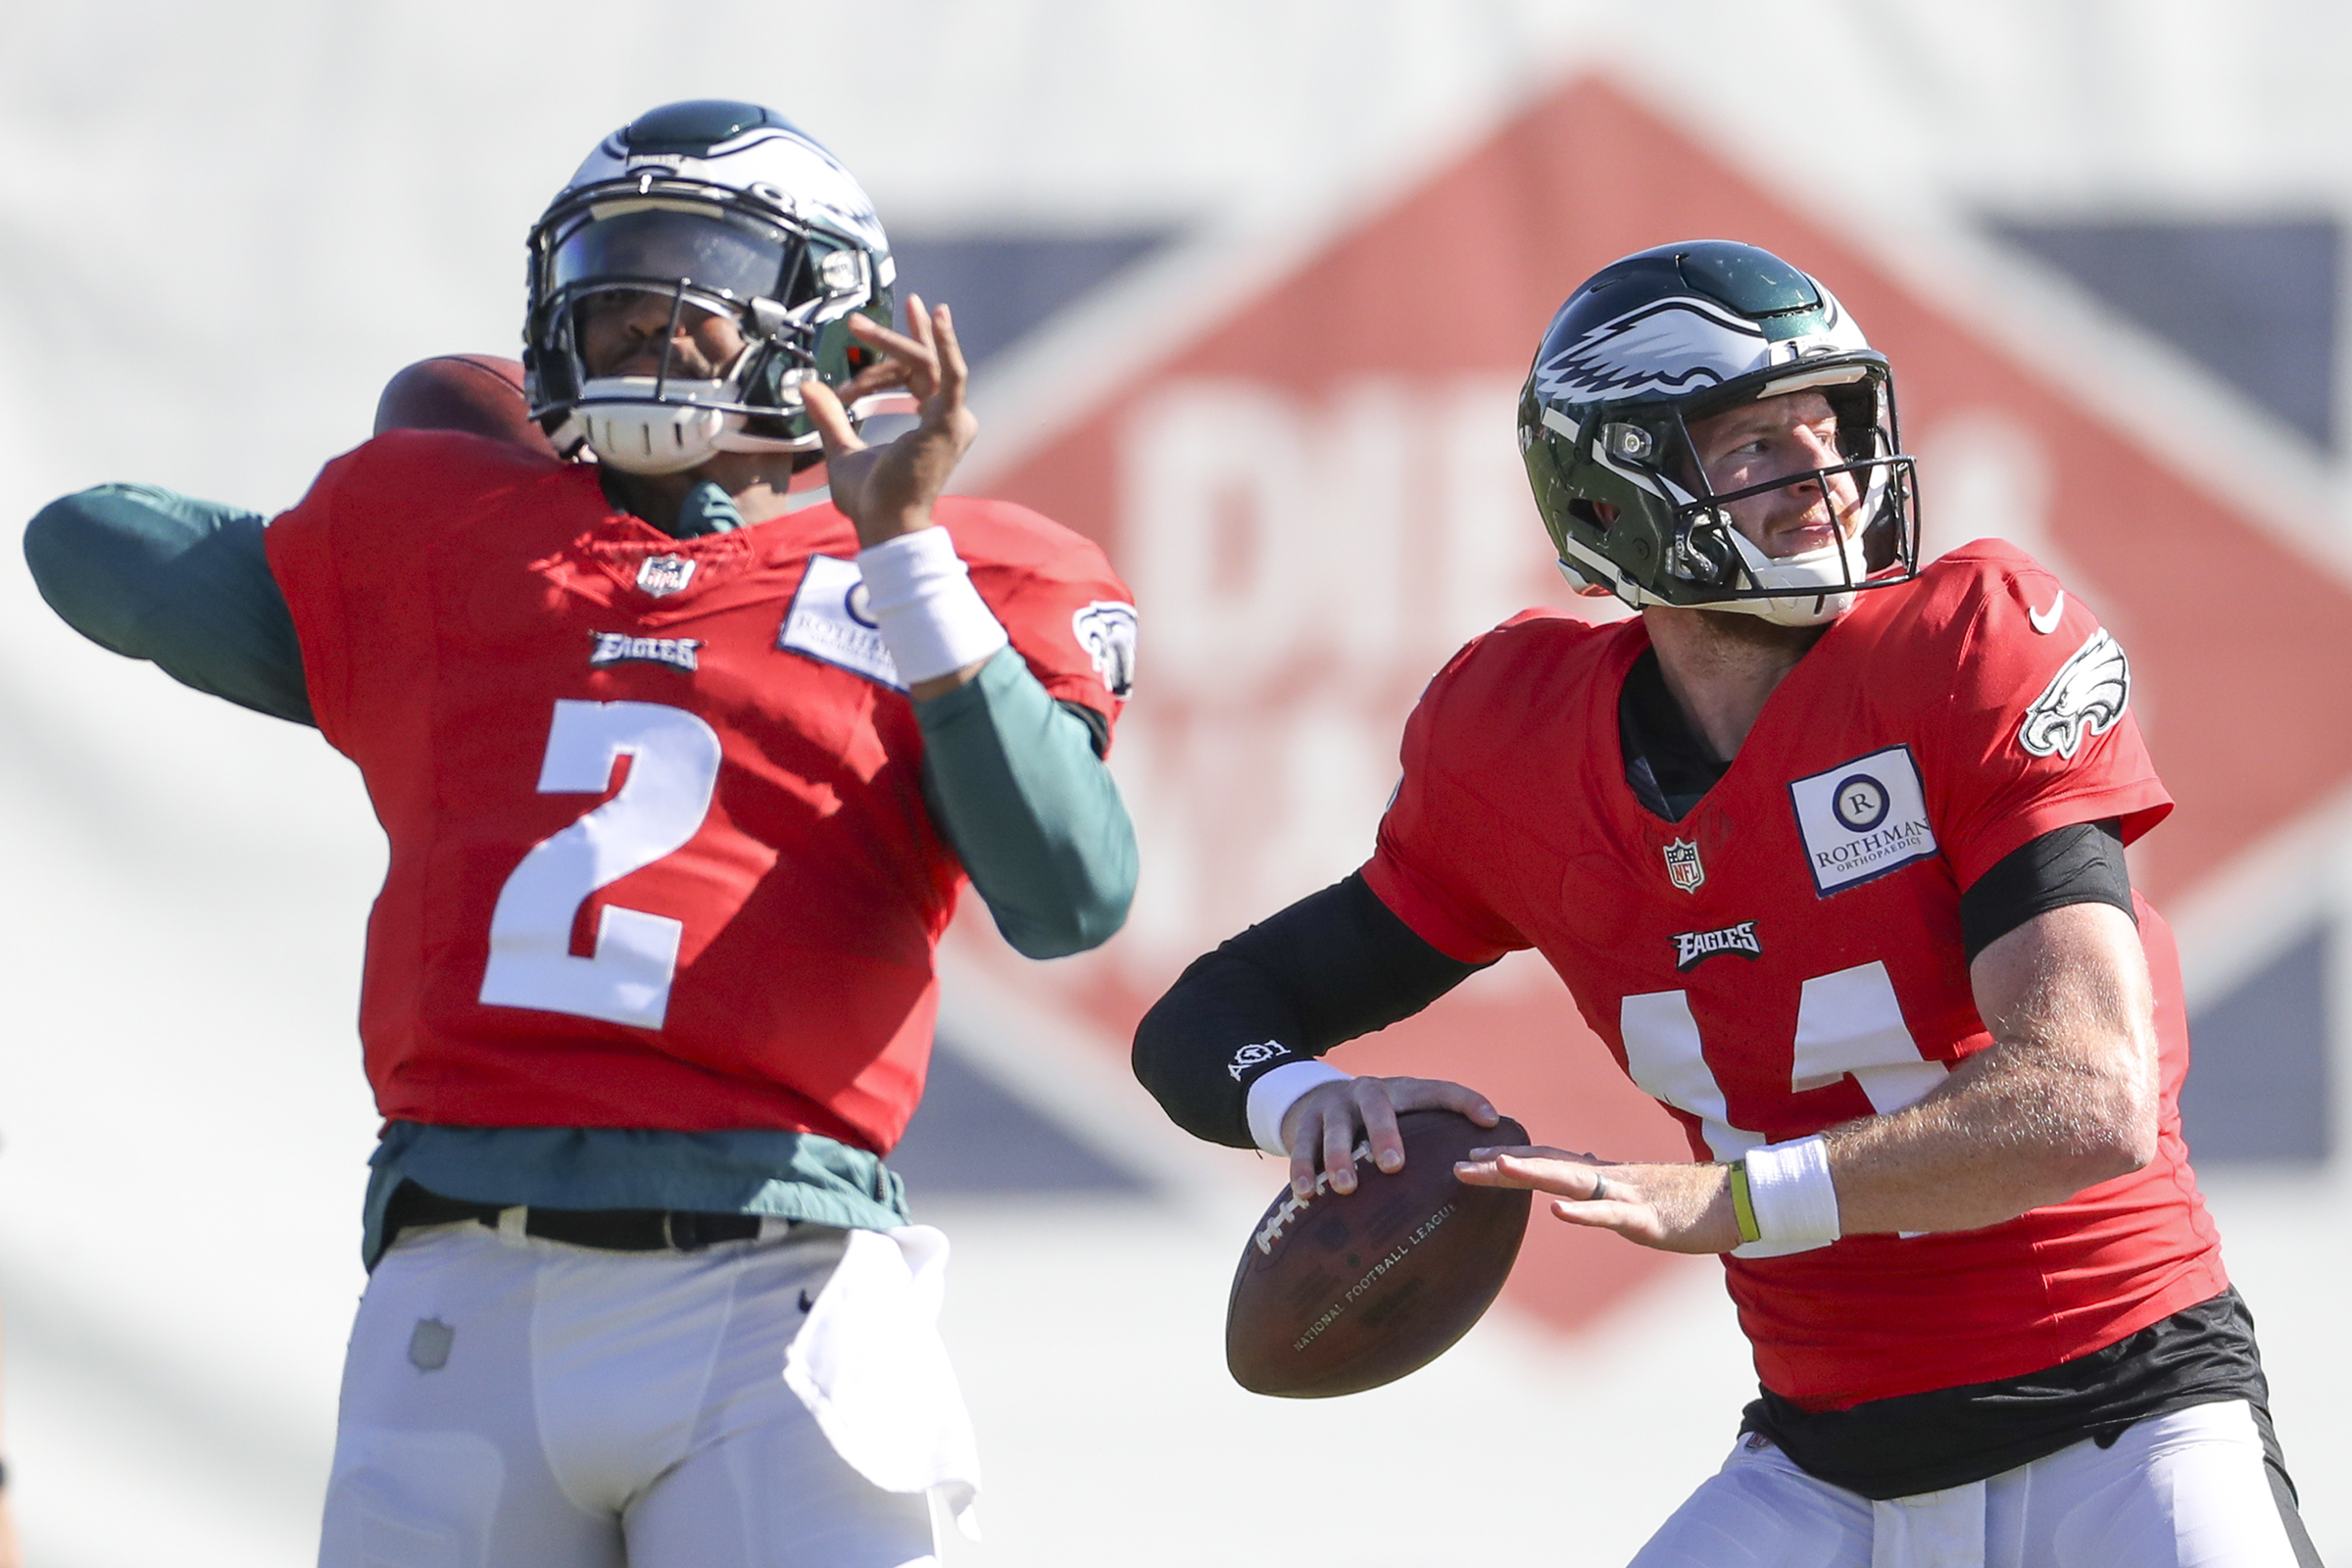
(1336, 965)
(2080, 863)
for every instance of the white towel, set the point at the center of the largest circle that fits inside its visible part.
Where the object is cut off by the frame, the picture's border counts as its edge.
(871, 1368)
(1933, 1530)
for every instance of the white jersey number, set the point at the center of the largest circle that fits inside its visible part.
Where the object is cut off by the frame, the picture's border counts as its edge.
(1847, 1023)
(674, 768)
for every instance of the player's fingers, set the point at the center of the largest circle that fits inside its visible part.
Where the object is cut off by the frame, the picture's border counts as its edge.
(954, 374)
(1380, 1126)
(922, 367)
(909, 352)
(1437, 1094)
(831, 419)
(1467, 1101)
(1338, 1150)
(1306, 1150)
(881, 375)
(1545, 1170)
(1483, 1167)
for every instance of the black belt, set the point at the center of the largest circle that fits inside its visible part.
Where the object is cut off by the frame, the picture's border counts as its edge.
(612, 1230)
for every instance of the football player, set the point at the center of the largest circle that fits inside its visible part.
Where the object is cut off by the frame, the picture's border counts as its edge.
(1827, 847)
(682, 761)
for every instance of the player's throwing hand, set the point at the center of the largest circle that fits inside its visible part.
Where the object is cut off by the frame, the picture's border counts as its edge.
(1674, 1207)
(888, 490)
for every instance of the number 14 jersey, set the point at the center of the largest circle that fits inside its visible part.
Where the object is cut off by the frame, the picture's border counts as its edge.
(1787, 956)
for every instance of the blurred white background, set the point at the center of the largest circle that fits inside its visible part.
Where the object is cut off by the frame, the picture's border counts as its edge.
(222, 227)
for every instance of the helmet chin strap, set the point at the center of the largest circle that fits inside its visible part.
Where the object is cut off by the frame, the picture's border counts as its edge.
(1823, 578)
(639, 435)
(627, 424)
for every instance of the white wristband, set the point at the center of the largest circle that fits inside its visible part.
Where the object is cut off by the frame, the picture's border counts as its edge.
(1790, 1188)
(1272, 1096)
(931, 617)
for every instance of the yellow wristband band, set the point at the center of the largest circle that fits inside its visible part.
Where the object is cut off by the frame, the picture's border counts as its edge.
(1742, 1207)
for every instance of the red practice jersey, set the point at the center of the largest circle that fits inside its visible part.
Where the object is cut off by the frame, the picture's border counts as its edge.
(1788, 956)
(659, 855)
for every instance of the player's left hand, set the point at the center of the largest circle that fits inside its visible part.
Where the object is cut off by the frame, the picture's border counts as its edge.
(1675, 1208)
(888, 490)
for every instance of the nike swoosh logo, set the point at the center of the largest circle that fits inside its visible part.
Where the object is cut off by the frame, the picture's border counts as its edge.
(2045, 622)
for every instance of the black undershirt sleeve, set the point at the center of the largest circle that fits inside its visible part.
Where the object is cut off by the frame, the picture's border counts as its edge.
(1336, 965)
(2080, 864)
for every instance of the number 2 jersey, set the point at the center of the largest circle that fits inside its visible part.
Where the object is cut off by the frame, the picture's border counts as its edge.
(659, 851)
(1788, 956)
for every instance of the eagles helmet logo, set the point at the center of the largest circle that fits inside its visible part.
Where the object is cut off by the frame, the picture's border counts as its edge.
(2087, 696)
(1680, 345)
(1666, 347)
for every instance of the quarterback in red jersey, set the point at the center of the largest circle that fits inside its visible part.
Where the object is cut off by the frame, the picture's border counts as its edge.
(695, 660)
(683, 757)
(1827, 849)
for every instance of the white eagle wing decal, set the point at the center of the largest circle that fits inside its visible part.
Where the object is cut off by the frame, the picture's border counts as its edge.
(2086, 696)
(1669, 345)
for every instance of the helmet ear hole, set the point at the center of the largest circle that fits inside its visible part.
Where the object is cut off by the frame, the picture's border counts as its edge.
(1708, 554)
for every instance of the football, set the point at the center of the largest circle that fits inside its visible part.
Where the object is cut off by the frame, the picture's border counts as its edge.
(479, 394)
(1341, 1292)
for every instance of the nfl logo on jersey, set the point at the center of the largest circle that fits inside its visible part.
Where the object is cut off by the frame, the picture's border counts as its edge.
(1682, 865)
(665, 574)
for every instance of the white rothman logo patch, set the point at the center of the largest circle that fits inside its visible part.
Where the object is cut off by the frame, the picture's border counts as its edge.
(1862, 819)
(2086, 696)
(829, 621)
(1682, 865)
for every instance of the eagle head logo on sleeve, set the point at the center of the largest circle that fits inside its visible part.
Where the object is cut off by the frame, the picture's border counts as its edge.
(1106, 629)
(2085, 697)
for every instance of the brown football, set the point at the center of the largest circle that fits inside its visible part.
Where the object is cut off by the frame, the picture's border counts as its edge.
(1339, 1293)
(479, 394)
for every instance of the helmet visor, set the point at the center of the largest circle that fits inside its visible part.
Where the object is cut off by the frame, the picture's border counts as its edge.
(731, 257)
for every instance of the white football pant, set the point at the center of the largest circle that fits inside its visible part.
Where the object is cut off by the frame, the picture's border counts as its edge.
(510, 1401)
(2181, 1490)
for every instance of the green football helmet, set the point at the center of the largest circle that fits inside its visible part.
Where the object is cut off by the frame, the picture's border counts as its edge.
(727, 208)
(1666, 337)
